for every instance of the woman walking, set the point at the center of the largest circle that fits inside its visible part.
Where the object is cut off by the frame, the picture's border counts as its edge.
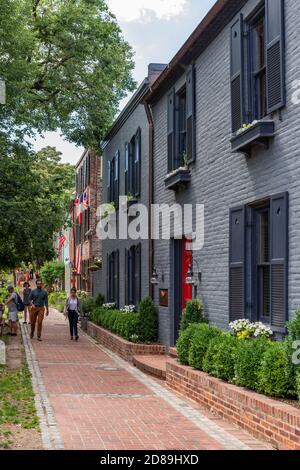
(26, 302)
(72, 311)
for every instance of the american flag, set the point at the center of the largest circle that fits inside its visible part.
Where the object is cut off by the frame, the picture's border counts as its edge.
(80, 210)
(61, 242)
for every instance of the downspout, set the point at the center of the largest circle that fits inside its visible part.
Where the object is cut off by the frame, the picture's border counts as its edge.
(150, 184)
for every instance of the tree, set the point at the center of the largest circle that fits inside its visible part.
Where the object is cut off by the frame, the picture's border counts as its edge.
(34, 193)
(52, 271)
(66, 66)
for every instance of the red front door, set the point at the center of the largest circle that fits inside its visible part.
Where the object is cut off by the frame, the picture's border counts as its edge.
(187, 261)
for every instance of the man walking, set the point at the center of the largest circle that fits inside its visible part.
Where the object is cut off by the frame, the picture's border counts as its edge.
(39, 300)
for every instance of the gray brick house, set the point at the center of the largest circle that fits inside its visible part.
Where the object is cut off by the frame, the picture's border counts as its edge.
(125, 269)
(240, 66)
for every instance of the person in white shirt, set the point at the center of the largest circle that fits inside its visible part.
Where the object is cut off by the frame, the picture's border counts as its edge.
(72, 311)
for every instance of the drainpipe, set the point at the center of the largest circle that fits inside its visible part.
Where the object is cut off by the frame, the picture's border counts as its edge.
(150, 184)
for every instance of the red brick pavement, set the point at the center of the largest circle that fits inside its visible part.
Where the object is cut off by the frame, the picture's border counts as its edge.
(99, 404)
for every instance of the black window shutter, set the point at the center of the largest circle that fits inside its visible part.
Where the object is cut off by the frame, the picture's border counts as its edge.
(131, 167)
(117, 178)
(126, 168)
(237, 74)
(116, 277)
(131, 292)
(137, 163)
(237, 263)
(190, 114)
(279, 261)
(108, 180)
(126, 277)
(171, 130)
(107, 278)
(275, 54)
(138, 274)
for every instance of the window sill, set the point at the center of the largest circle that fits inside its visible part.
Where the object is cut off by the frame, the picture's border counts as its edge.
(177, 180)
(256, 135)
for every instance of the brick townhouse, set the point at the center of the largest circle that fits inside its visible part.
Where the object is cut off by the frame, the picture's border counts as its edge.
(239, 67)
(125, 273)
(85, 246)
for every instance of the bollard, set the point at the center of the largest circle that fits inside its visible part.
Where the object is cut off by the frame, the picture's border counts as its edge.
(2, 353)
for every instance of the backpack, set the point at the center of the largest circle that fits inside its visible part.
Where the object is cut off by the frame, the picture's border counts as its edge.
(19, 304)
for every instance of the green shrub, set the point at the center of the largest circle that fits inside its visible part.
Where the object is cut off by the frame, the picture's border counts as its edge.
(148, 321)
(184, 343)
(87, 306)
(275, 374)
(293, 327)
(126, 325)
(248, 361)
(192, 314)
(220, 358)
(298, 385)
(51, 271)
(99, 300)
(200, 343)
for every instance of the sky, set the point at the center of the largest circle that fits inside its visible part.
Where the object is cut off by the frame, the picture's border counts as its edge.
(155, 29)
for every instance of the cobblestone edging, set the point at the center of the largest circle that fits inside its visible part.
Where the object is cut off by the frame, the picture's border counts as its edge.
(51, 437)
(228, 441)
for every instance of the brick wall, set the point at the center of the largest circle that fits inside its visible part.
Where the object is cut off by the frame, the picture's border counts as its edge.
(120, 346)
(222, 180)
(265, 418)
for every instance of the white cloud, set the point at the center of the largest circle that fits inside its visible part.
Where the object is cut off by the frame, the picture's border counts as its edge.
(144, 10)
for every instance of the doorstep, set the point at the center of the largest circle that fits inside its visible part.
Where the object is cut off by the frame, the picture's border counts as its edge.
(152, 365)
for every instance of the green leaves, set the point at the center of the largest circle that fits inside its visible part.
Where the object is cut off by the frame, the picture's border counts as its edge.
(35, 190)
(66, 66)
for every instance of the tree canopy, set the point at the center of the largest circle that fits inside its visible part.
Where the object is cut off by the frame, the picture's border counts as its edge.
(35, 189)
(66, 66)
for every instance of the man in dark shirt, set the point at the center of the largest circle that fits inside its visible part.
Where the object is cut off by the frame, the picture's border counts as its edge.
(39, 301)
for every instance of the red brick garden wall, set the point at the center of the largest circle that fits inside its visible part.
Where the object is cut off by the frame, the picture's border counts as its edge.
(120, 346)
(265, 418)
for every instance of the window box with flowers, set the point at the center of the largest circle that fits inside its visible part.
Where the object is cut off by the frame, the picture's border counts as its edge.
(129, 201)
(179, 177)
(258, 133)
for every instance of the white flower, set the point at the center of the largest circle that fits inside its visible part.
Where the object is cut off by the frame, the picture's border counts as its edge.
(109, 306)
(128, 309)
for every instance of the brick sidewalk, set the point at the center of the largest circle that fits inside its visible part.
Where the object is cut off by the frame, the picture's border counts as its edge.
(100, 402)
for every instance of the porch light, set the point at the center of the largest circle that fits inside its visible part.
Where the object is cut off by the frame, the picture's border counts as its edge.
(193, 279)
(189, 280)
(154, 279)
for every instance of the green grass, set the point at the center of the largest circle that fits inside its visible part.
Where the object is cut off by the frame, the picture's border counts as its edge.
(17, 399)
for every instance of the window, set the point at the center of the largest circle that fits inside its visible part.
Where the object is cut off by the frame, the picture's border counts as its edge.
(133, 165)
(113, 278)
(258, 262)
(113, 173)
(256, 45)
(263, 263)
(181, 124)
(133, 275)
(257, 64)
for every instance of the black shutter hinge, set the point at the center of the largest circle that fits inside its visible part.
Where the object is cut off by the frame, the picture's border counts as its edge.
(249, 225)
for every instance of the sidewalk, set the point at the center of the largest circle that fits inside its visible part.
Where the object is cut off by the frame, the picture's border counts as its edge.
(100, 402)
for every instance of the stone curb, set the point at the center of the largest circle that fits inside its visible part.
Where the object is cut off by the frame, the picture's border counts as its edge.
(51, 437)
